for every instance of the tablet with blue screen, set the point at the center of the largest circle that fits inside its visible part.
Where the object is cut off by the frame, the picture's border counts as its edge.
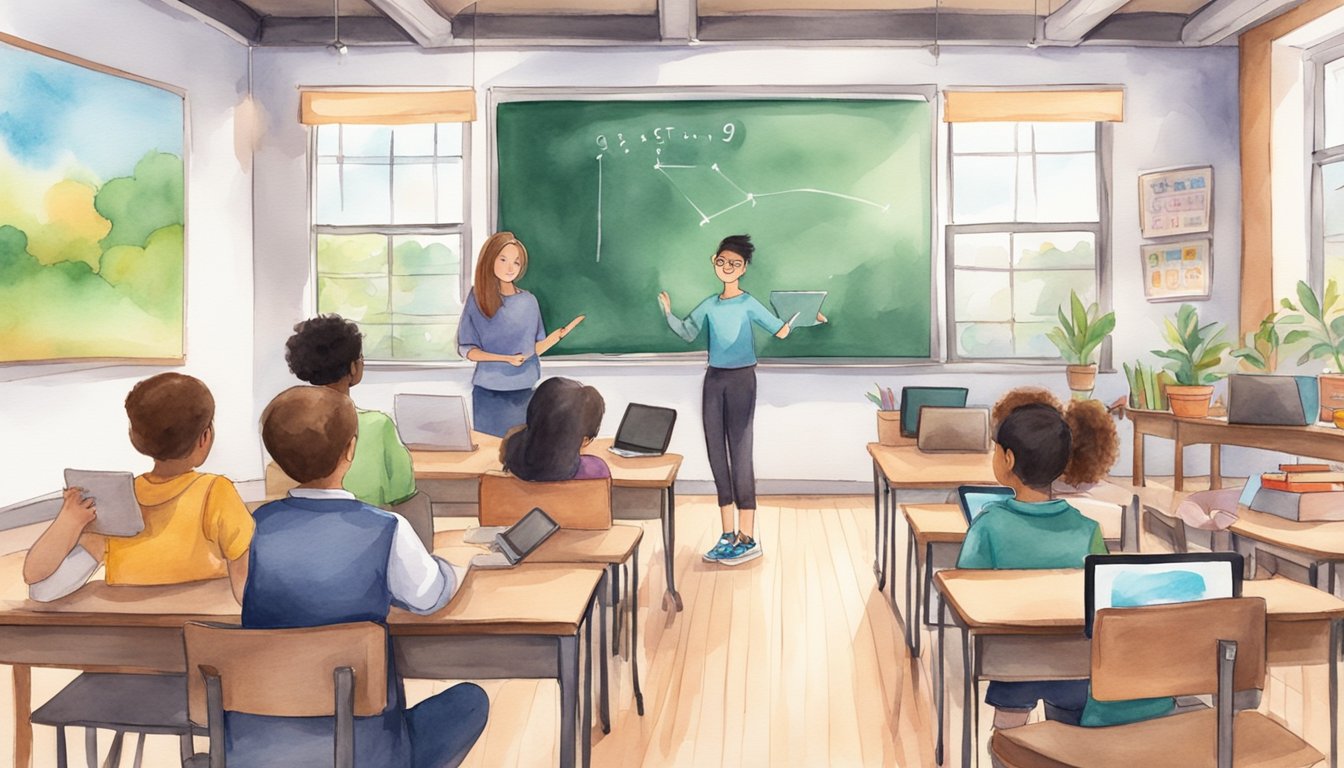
(1133, 581)
(973, 498)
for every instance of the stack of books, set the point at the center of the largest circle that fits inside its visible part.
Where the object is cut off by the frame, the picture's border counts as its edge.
(1302, 492)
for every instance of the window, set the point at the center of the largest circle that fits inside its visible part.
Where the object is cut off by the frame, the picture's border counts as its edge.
(1327, 163)
(1026, 229)
(390, 207)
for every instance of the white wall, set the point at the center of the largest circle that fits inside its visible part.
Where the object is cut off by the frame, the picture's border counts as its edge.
(1181, 109)
(52, 417)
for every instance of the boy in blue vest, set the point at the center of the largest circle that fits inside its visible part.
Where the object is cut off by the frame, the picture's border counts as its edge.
(322, 557)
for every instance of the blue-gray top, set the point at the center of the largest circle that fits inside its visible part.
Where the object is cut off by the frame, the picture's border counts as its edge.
(514, 330)
(729, 321)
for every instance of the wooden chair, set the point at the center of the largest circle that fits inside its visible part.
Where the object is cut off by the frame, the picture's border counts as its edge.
(338, 670)
(1184, 649)
(579, 504)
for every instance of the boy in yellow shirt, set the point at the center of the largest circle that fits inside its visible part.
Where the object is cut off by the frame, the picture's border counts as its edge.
(196, 526)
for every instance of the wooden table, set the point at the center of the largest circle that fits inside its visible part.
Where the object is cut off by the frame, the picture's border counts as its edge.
(1028, 625)
(518, 623)
(652, 474)
(1317, 441)
(1319, 543)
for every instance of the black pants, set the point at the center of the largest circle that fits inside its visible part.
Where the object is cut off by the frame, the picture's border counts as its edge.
(729, 410)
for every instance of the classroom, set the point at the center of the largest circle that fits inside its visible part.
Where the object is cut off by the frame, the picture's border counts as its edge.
(976, 241)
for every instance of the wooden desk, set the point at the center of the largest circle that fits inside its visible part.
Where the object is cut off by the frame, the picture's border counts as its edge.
(609, 548)
(653, 474)
(518, 623)
(1317, 441)
(1319, 543)
(1028, 625)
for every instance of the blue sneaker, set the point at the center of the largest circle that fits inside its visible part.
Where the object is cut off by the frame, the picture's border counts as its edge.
(722, 549)
(744, 551)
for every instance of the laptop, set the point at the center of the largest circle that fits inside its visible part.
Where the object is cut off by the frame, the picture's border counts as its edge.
(645, 430)
(799, 309)
(433, 422)
(114, 495)
(1132, 581)
(973, 498)
(518, 541)
(915, 398)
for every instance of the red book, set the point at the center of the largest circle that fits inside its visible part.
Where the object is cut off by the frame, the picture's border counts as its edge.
(1290, 468)
(1291, 487)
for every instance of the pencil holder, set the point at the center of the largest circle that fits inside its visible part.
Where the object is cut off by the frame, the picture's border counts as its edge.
(889, 428)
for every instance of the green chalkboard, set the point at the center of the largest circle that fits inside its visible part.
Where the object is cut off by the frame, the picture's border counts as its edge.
(618, 199)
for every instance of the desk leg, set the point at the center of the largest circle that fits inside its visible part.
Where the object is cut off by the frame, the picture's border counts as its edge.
(909, 618)
(1335, 627)
(23, 709)
(877, 529)
(889, 548)
(672, 598)
(615, 575)
(634, 632)
(1215, 466)
(568, 649)
(940, 683)
(604, 693)
(1178, 465)
(586, 730)
(1138, 457)
(968, 704)
(924, 593)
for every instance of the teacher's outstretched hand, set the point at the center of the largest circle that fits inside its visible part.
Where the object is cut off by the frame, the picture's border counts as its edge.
(665, 302)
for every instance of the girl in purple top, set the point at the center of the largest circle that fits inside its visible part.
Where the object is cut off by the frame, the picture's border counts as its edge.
(501, 332)
(562, 418)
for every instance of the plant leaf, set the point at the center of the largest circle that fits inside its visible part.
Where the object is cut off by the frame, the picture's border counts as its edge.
(1331, 296)
(1286, 304)
(1337, 326)
(1304, 358)
(1292, 337)
(1064, 322)
(1309, 302)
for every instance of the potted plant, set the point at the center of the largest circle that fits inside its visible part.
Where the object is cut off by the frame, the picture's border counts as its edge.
(1324, 329)
(1078, 336)
(1261, 353)
(888, 418)
(1195, 353)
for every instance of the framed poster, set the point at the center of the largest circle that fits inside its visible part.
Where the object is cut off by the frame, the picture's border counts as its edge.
(1176, 202)
(1179, 270)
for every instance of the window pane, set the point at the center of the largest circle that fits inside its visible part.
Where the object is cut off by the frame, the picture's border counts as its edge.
(1055, 250)
(984, 340)
(1026, 189)
(1039, 295)
(989, 249)
(414, 140)
(1029, 340)
(429, 341)
(1066, 187)
(450, 139)
(366, 199)
(982, 296)
(426, 255)
(377, 341)
(1024, 142)
(413, 194)
(424, 295)
(347, 255)
(1065, 137)
(362, 299)
(982, 137)
(983, 189)
(366, 140)
(1332, 197)
(1334, 103)
(327, 190)
(328, 139)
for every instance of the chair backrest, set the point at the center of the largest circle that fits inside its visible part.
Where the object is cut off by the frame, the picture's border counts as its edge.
(581, 504)
(286, 672)
(1170, 650)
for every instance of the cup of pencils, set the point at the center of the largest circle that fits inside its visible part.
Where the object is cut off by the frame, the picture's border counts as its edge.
(888, 418)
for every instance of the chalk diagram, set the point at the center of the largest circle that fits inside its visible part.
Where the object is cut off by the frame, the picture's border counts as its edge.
(748, 197)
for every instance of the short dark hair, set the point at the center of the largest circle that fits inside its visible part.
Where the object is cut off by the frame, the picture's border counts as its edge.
(168, 414)
(306, 430)
(1040, 440)
(739, 244)
(323, 348)
(560, 416)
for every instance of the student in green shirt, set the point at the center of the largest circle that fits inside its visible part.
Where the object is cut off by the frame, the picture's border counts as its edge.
(1036, 442)
(327, 351)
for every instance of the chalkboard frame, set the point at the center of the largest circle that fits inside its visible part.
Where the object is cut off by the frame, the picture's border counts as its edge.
(917, 92)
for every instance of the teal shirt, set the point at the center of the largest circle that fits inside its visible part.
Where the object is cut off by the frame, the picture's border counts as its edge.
(1014, 534)
(730, 342)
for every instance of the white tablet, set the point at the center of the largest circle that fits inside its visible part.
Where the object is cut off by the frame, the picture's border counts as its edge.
(114, 495)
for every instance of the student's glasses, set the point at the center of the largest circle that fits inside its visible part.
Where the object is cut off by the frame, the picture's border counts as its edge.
(723, 263)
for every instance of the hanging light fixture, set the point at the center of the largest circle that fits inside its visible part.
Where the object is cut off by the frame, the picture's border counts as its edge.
(336, 46)
(935, 48)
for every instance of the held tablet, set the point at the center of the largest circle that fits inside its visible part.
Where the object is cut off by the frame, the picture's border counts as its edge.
(802, 305)
(114, 495)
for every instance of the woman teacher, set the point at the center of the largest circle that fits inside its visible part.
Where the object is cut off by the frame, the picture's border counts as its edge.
(501, 331)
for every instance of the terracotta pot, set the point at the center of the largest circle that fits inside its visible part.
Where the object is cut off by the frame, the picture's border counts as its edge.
(1189, 402)
(889, 428)
(1082, 378)
(1332, 394)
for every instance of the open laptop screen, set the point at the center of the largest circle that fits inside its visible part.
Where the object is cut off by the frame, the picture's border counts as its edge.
(974, 498)
(1132, 581)
(645, 428)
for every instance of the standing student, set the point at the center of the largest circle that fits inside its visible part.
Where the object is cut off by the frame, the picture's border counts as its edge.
(1036, 442)
(502, 333)
(328, 351)
(729, 395)
(563, 417)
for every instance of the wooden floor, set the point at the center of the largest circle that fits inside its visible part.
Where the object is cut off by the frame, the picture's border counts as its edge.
(793, 659)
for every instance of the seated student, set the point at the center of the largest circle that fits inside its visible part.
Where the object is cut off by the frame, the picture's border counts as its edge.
(562, 417)
(196, 526)
(1037, 441)
(327, 351)
(322, 557)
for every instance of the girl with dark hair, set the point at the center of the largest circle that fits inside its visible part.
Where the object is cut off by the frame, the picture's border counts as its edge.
(1035, 443)
(562, 418)
(501, 331)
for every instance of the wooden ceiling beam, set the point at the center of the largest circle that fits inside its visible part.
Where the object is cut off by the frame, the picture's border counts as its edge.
(1077, 18)
(1222, 19)
(229, 16)
(418, 19)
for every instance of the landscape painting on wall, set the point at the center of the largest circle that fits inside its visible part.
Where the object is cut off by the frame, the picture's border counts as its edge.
(92, 199)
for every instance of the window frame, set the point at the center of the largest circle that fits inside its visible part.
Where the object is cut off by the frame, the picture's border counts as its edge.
(1317, 58)
(466, 259)
(1101, 230)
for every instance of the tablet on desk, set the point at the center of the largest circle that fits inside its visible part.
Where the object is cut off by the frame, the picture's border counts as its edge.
(113, 493)
(1133, 581)
(646, 430)
(520, 540)
(433, 422)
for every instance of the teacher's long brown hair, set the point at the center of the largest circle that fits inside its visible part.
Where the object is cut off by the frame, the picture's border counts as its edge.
(487, 294)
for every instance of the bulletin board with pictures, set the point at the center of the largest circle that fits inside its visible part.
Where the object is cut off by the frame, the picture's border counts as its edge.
(1175, 202)
(1177, 270)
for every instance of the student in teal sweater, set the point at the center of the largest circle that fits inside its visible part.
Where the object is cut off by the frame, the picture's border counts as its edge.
(1036, 442)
